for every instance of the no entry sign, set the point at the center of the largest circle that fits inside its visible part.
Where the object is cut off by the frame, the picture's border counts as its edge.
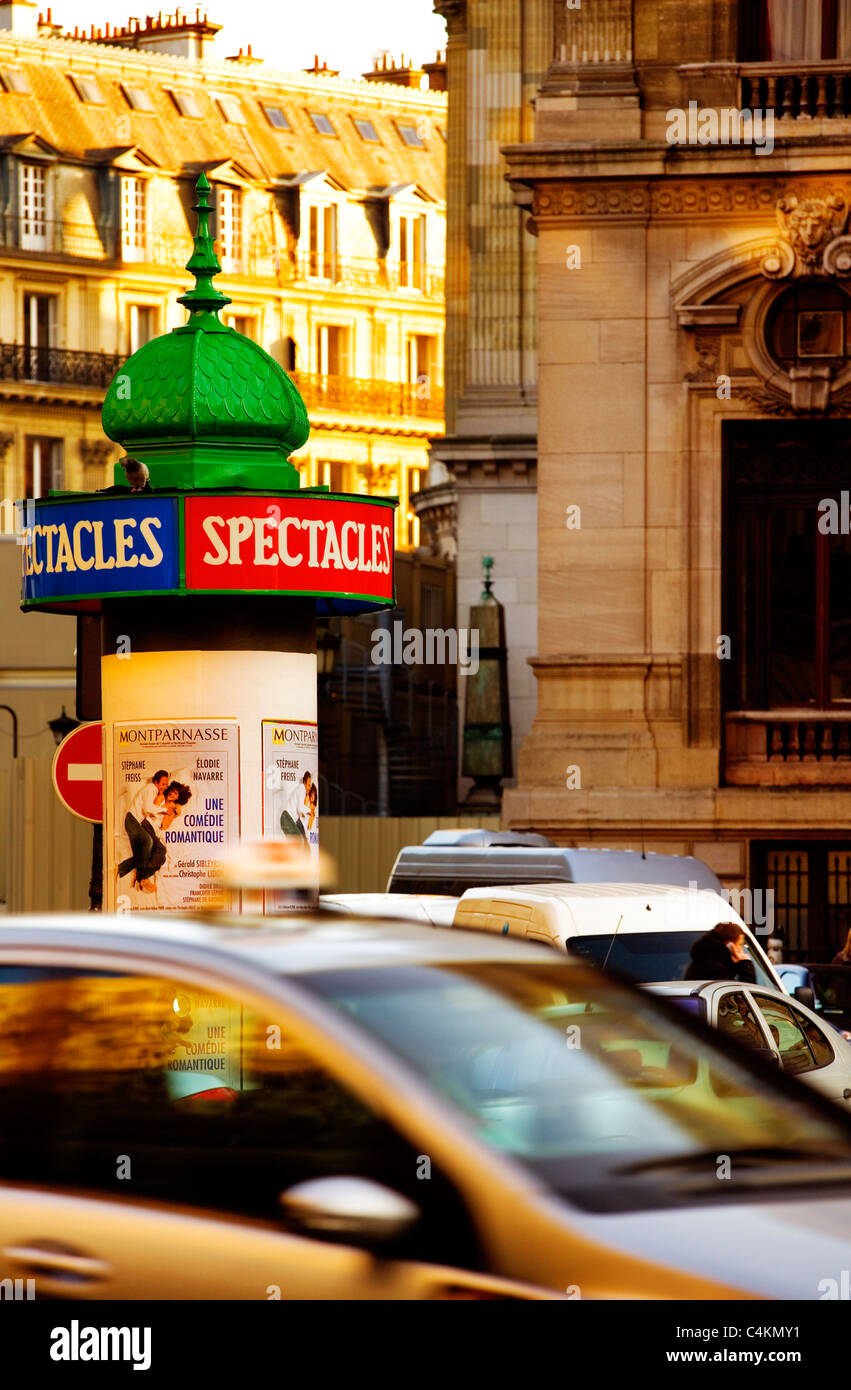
(78, 772)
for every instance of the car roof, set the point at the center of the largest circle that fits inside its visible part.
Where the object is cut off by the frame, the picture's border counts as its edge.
(682, 988)
(592, 909)
(297, 945)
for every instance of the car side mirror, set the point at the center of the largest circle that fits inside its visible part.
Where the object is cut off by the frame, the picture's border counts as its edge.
(347, 1209)
(767, 1054)
(805, 996)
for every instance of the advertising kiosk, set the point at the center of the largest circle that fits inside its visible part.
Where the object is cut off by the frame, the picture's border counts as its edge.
(208, 574)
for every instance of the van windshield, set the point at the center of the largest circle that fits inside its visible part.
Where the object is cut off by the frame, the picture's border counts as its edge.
(647, 956)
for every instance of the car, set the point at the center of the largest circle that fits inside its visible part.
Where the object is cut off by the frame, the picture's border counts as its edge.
(412, 907)
(769, 1022)
(326, 1107)
(450, 861)
(831, 987)
(643, 930)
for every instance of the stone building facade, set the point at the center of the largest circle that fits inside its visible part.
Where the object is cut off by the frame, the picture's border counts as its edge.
(693, 658)
(480, 499)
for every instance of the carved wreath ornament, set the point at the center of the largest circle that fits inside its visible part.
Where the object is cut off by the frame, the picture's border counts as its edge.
(811, 238)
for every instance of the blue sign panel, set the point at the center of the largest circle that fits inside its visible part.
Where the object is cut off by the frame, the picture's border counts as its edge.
(117, 545)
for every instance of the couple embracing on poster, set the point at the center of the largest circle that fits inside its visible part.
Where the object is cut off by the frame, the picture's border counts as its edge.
(153, 809)
(299, 815)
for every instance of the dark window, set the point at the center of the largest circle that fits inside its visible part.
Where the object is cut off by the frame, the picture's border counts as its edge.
(366, 130)
(788, 31)
(276, 116)
(787, 568)
(321, 123)
(42, 465)
(410, 133)
(647, 955)
(88, 89)
(810, 326)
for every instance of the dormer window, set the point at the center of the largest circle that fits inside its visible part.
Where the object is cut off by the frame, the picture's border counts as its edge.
(410, 133)
(322, 242)
(137, 98)
(14, 80)
(792, 31)
(322, 123)
(134, 227)
(231, 109)
(187, 104)
(33, 205)
(276, 116)
(366, 130)
(412, 251)
(87, 89)
(229, 227)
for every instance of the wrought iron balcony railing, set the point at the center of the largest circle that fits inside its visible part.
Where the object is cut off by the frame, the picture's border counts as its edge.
(359, 395)
(59, 238)
(59, 365)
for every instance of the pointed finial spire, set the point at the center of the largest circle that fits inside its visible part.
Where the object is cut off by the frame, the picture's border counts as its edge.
(203, 262)
(487, 566)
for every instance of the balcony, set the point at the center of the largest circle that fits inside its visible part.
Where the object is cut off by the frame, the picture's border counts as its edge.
(59, 366)
(365, 273)
(46, 236)
(799, 91)
(350, 395)
(787, 748)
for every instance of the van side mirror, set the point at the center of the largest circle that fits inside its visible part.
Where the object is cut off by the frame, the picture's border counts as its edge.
(805, 996)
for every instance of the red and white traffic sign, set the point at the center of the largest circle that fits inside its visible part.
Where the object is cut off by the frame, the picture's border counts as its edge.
(78, 772)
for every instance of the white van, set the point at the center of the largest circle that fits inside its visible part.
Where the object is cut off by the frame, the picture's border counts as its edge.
(644, 930)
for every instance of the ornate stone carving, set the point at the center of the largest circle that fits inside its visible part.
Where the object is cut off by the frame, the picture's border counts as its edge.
(811, 236)
(96, 453)
(728, 197)
(708, 358)
(591, 200)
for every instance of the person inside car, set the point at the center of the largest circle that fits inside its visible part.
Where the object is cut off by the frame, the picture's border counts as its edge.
(721, 955)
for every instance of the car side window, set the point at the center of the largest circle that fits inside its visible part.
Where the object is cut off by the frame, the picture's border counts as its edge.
(817, 1038)
(145, 1088)
(737, 1019)
(788, 1036)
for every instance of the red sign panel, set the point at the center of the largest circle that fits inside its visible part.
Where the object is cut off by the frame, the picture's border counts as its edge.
(78, 772)
(295, 545)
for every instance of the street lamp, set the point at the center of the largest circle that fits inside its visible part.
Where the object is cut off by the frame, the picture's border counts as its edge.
(327, 646)
(62, 726)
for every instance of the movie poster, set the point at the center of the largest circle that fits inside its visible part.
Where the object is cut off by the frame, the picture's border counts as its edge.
(291, 801)
(177, 800)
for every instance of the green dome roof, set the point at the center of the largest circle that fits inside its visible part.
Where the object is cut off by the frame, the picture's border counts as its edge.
(204, 406)
(207, 383)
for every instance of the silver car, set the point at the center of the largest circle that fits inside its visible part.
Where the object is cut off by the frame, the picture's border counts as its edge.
(781, 1029)
(324, 1108)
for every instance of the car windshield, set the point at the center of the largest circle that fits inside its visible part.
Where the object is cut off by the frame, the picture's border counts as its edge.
(648, 956)
(582, 1079)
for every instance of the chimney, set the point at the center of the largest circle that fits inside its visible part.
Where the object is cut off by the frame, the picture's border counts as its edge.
(246, 59)
(47, 28)
(323, 70)
(436, 73)
(169, 33)
(19, 16)
(400, 74)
